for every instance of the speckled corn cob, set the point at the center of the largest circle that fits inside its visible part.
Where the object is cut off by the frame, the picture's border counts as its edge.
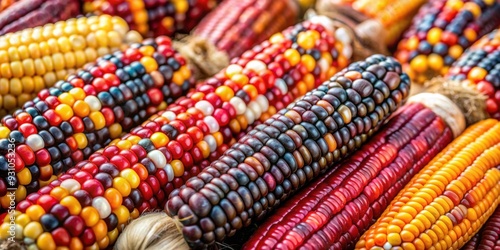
(480, 65)
(333, 211)
(87, 206)
(68, 122)
(34, 59)
(154, 17)
(440, 33)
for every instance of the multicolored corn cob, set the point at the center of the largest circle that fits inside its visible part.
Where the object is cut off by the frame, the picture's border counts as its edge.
(68, 122)
(154, 17)
(448, 201)
(235, 26)
(394, 16)
(293, 146)
(34, 59)
(488, 237)
(24, 14)
(88, 205)
(480, 65)
(333, 211)
(440, 33)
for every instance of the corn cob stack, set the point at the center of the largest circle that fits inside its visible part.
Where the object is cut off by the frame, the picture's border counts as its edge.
(293, 146)
(234, 27)
(25, 14)
(33, 59)
(480, 65)
(89, 204)
(333, 211)
(489, 236)
(68, 122)
(440, 33)
(447, 202)
(154, 17)
(394, 16)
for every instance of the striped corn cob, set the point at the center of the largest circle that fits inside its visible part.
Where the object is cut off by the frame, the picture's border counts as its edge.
(68, 122)
(293, 146)
(32, 13)
(235, 26)
(395, 16)
(440, 33)
(154, 17)
(333, 211)
(88, 205)
(488, 237)
(480, 65)
(447, 202)
(34, 59)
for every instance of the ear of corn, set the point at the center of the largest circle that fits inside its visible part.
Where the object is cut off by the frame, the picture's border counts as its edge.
(480, 66)
(333, 211)
(273, 160)
(88, 205)
(448, 201)
(154, 17)
(4, 4)
(34, 59)
(440, 33)
(25, 14)
(68, 122)
(489, 236)
(235, 26)
(395, 16)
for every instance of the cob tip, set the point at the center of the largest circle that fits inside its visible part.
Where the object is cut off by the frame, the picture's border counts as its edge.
(204, 58)
(164, 233)
(471, 102)
(444, 108)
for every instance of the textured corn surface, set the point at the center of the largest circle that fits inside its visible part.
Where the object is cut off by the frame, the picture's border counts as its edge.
(480, 65)
(235, 25)
(34, 59)
(448, 201)
(489, 235)
(154, 17)
(289, 149)
(68, 122)
(440, 33)
(89, 204)
(25, 14)
(395, 16)
(333, 211)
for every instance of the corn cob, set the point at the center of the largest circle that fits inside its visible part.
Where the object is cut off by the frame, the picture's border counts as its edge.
(489, 236)
(342, 204)
(293, 146)
(394, 16)
(480, 65)
(440, 33)
(73, 119)
(447, 202)
(154, 17)
(34, 59)
(139, 171)
(32, 13)
(235, 26)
